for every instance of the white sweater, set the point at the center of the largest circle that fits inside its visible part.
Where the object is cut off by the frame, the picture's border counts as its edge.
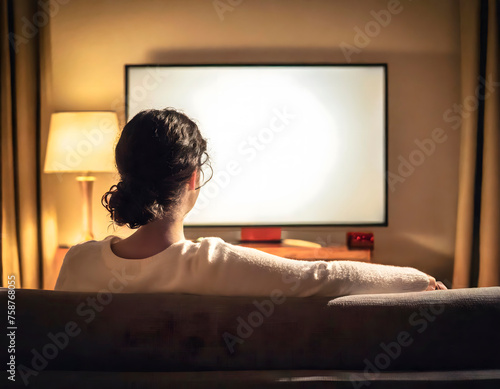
(214, 267)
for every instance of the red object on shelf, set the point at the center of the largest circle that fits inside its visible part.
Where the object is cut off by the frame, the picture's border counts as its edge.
(360, 240)
(261, 234)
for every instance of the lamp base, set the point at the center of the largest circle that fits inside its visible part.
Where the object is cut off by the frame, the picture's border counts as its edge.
(86, 186)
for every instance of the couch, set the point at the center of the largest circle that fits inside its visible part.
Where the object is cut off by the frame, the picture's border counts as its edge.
(445, 339)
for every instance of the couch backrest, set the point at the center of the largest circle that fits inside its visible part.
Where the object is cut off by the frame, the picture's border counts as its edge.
(442, 330)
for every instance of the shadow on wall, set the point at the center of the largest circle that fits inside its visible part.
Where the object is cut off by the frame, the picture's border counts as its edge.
(419, 251)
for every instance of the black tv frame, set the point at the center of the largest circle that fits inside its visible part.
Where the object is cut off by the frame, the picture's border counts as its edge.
(385, 223)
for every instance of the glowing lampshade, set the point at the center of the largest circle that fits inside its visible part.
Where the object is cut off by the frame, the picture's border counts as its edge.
(81, 142)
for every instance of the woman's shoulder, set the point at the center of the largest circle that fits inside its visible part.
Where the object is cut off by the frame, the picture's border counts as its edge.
(212, 242)
(216, 248)
(88, 247)
(210, 247)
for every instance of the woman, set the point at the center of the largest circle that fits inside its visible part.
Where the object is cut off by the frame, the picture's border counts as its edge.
(159, 156)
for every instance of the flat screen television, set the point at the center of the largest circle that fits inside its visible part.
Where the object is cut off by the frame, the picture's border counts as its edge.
(290, 145)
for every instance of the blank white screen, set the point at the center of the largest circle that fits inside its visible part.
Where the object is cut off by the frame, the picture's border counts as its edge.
(289, 145)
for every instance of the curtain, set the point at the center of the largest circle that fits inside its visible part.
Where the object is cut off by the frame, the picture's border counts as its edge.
(477, 249)
(23, 116)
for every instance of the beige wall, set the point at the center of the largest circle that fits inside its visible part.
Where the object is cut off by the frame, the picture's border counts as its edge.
(92, 40)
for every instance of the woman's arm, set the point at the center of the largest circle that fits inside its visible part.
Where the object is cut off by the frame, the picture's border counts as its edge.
(225, 269)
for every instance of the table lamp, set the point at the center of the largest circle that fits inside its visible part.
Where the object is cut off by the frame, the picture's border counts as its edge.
(82, 142)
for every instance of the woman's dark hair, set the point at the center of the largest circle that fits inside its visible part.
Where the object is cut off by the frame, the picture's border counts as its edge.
(156, 154)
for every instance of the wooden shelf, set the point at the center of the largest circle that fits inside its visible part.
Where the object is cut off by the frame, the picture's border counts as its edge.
(333, 253)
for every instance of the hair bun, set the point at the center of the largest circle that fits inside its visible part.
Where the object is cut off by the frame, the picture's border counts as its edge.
(130, 203)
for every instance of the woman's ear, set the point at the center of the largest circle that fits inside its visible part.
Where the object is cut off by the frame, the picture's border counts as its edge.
(193, 181)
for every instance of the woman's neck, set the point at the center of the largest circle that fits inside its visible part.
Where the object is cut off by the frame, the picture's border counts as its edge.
(150, 239)
(163, 230)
